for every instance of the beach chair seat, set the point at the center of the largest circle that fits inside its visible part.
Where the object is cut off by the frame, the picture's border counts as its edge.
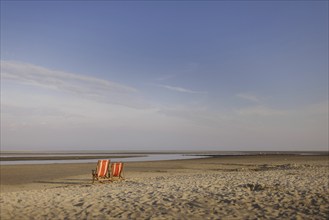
(117, 171)
(102, 171)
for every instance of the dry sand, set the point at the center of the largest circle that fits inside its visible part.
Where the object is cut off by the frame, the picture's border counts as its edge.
(240, 187)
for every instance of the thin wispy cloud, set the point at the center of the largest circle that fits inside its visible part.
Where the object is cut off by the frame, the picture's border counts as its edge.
(199, 115)
(180, 89)
(84, 86)
(248, 97)
(30, 111)
(29, 73)
(259, 110)
(166, 77)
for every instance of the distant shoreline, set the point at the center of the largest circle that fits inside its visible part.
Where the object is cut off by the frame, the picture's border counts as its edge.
(64, 157)
(138, 152)
(78, 155)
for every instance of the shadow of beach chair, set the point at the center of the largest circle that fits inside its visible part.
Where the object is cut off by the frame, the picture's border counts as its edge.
(117, 171)
(102, 171)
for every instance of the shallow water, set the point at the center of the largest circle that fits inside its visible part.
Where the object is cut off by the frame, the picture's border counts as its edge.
(131, 156)
(149, 157)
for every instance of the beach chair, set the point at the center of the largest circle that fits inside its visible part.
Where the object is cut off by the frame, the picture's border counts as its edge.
(102, 171)
(117, 171)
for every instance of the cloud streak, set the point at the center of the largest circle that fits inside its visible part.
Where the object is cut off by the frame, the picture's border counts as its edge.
(30, 73)
(180, 89)
(85, 86)
(260, 111)
(248, 97)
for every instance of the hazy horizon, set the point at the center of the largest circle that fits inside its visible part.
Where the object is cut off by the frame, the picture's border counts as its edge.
(164, 76)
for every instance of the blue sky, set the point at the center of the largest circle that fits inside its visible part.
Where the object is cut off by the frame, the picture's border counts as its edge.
(168, 75)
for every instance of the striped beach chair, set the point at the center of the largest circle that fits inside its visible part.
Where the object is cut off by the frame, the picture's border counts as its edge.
(117, 171)
(102, 171)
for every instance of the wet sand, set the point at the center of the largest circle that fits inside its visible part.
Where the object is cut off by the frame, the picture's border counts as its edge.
(230, 187)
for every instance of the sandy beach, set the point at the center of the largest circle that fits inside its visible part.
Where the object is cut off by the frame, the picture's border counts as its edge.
(231, 187)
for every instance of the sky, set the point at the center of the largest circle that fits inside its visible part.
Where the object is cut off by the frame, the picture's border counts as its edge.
(166, 75)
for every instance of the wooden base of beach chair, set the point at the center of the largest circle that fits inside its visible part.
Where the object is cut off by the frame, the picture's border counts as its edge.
(94, 175)
(112, 179)
(101, 180)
